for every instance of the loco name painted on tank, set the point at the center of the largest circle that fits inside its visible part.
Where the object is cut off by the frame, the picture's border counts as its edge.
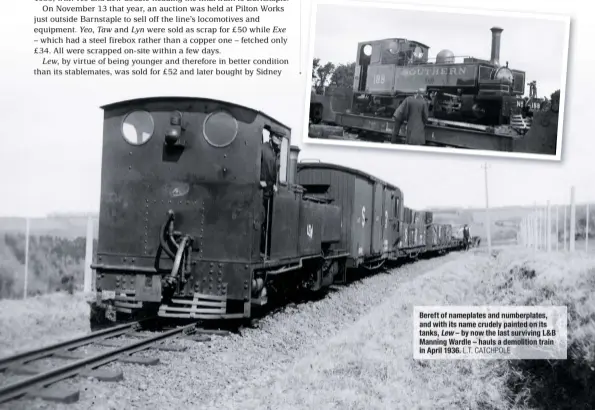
(412, 78)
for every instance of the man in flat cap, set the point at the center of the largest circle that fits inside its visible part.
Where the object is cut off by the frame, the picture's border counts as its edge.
(269, 165)
(414, 110)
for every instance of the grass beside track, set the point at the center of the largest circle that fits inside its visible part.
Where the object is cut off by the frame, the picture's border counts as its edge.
(370, 365)
(41, 320)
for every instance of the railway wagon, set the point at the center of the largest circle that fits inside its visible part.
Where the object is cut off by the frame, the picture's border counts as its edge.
(181, 213)
(371, 210)
(440, 238)
(414, 233)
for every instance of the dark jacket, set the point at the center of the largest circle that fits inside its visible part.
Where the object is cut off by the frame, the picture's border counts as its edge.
(268, 167)
(414, 110)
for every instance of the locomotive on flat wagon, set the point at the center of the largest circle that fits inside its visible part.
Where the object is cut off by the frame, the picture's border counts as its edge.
(473, 103)
(181, 213)
(475, 91)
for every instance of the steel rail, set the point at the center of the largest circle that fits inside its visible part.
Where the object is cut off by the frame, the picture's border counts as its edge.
(48, 351)
(42, 380)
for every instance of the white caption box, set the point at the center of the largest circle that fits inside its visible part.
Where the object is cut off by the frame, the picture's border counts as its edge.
(489, 332)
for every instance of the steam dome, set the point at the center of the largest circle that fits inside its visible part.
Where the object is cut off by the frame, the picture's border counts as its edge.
(445, 56)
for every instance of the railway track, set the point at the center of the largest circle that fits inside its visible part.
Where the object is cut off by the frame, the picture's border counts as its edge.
(41, 383)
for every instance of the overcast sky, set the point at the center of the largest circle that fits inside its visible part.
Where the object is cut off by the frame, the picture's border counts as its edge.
(533, 45)
(50, 157)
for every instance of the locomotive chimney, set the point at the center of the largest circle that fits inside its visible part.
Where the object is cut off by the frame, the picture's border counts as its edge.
(496, 33)
(294, 152)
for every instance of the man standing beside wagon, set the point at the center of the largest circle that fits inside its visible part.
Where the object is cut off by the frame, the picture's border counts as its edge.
(413, 110)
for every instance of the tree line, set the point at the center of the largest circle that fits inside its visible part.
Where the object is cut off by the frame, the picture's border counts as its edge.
(328, 74)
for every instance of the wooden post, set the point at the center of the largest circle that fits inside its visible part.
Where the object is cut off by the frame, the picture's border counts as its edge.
(523, 236)
(539, 229)
(88, 276)
(572, 219)
(25, 285)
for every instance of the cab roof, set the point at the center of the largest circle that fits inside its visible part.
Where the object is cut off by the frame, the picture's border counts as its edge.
(148, 100)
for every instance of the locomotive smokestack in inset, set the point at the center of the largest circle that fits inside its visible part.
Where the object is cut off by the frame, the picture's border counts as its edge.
(496, 33)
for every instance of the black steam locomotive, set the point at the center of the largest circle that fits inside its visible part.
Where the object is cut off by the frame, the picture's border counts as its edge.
(181, 215)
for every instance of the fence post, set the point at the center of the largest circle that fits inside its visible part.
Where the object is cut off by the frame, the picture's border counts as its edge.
(572, 219)
(523, 235)
(539, 229)
(25, 285)
(88, 277)
(587, 228)
(535, 237)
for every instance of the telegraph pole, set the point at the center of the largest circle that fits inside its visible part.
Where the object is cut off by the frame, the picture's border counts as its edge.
(488, 228)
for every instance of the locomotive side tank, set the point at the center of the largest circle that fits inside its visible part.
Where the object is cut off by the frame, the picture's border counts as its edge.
(181, 212)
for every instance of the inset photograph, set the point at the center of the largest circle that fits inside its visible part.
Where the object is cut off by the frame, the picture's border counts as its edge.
(441, 80)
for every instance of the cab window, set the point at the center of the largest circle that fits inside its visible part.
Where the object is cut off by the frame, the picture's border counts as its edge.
(265, 135)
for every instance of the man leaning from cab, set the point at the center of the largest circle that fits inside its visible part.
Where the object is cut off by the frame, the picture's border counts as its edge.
(268, 177)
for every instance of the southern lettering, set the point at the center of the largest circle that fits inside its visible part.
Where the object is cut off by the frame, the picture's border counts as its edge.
(435, 71)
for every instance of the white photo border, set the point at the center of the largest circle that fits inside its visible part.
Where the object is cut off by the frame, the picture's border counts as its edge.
(441, 150)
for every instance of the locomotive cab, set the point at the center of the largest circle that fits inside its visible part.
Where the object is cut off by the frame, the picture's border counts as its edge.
(181, 206)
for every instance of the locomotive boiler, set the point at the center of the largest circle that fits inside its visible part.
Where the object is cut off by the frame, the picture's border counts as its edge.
(474, 91)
